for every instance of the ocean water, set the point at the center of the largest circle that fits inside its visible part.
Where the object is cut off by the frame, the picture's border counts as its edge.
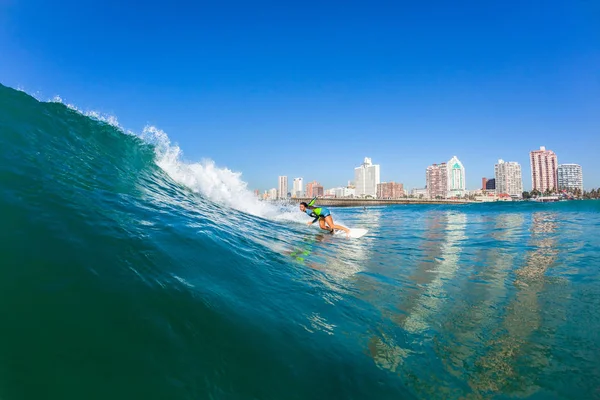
(129, 273)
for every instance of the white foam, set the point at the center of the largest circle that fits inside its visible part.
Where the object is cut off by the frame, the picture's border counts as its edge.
(98, 116)
(220, 185)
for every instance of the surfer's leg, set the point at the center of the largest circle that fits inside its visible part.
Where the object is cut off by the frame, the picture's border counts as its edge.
(343, 228)
(322, 224)
(329, 221)
(325, 224)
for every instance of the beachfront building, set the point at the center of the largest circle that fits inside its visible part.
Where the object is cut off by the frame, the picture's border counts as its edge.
(509, 179)
(570, 177)
(298, 188)
(488, 185)
(437, 181)
(390, 190)
(283, 187)
(309, 188)
(318, 191)
(456, 178)
(342, 192)
(418, 192)
(544, 166)
(366, 178)
(272, 194)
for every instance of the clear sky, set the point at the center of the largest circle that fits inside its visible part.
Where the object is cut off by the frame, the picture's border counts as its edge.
(309, 89)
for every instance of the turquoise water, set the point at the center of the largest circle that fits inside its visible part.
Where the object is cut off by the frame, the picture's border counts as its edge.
(129, 273)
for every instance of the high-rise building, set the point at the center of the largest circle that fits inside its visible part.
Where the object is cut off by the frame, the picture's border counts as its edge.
(490, 185)
(544, 166)
(318, 191)
(257, 192)
(456, 178)
(390, 190)
(298, 188)
(283, 187)
(570, 177)
(309, 188)
(509, 179)
(483, 183)
(366, 178)
(437, 181)
(272, 195)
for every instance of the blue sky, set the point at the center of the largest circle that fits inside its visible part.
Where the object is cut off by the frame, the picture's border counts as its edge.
(311, 88)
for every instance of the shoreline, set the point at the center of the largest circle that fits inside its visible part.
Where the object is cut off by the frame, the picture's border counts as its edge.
(337, 202)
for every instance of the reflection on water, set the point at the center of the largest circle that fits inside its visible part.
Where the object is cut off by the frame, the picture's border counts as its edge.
(458, 304)
(384, 347)
(507, 351)
(544, 254)
(481, 295)
(421, 275)
(386, 353)
(443, 270)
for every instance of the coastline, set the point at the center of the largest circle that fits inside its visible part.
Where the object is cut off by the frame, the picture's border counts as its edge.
(348, 202)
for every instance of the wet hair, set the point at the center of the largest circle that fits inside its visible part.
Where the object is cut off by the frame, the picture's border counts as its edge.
(307, 206)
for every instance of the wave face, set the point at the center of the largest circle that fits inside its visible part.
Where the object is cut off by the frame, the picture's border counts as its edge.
(129, 273)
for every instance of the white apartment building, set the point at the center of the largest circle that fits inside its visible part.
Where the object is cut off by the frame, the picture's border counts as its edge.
(272, 194)
(417, 192)
(343, 192)
(456, 178)
(509, 178)
(298, 188)
(283, 187)
(570, 177)
(366, 178)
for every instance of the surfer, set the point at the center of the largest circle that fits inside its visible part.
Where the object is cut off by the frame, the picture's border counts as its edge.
(323, 215)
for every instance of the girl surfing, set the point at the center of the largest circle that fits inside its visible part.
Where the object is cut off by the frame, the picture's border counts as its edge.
(323, 215)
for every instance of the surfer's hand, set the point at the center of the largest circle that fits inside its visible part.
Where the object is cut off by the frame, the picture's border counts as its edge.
(309, 223)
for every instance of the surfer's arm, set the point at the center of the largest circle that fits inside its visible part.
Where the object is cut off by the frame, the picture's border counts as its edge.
(313, 221)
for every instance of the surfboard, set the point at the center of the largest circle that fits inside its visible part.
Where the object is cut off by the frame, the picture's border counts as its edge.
(354, 233)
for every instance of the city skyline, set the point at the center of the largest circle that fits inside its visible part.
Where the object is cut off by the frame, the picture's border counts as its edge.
(471, 184)
(508, 178)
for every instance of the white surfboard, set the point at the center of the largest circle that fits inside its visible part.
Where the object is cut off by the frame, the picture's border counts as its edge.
(354, 233)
